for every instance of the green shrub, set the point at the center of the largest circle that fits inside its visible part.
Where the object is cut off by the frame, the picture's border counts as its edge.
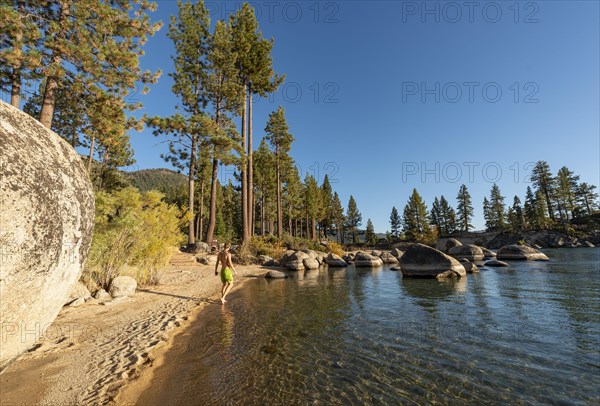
(133, 231)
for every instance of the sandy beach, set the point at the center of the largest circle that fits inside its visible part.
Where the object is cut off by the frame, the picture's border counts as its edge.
(89, 353)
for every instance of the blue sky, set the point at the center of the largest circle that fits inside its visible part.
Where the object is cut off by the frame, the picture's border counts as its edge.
(387, 96)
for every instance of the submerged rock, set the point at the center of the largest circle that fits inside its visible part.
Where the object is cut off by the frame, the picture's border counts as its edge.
(520, 252)
(496, 263)
(46, 216)
(423, 261)
(470, 252)
(275, 275)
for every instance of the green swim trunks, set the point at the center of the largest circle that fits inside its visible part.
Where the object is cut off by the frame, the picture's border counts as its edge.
(226, 275)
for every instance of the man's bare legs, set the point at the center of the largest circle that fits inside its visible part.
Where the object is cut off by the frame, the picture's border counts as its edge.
(225, 290)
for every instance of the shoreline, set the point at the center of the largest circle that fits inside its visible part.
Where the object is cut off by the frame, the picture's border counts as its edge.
(93, 353)
(130, 392)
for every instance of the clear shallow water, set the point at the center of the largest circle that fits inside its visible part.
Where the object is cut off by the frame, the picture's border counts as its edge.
(528, 334)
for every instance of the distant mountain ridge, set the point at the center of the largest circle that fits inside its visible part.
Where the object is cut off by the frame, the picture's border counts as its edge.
(172, 184)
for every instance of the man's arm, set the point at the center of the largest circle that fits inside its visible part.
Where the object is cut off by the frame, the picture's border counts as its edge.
(231, 263)
(217, 265)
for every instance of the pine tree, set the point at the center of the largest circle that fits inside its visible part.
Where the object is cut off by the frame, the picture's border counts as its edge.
(416, 221)
(516, 218)
(224, 93)
(191, 38)
(395, 223)
(464, 209)
(497, 209)
(542, 180)
(448, 216)
(281, 140)
(488, 216)
(265, 182)
(566, 188)
(255, 73)
(353, 219)
(292, 199)
(99, 42)
(530, 208)
(370, 236)
(435, 215)
(338, 218)
(327, 195)
(587, 198)
(19, 47)
(313, 205)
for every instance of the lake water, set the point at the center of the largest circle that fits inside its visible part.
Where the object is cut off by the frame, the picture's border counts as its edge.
(528, 334)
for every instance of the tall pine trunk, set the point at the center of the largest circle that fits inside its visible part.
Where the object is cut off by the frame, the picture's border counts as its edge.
(15, 75)
(47, 111)
(91, 156)
(191, 177)
(279, 213)
(201, 211)
(250, 173)
(244, 176)
(212, 219)
(213, 203)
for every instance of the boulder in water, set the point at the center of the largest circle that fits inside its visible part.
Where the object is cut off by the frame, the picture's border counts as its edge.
(470, 252)
(520, 252)
(335, 261)
(46, 216)
(388, 258)
(423, 261)
(468, 265)
(488, 253)
(365, 260)
(310, 263)
(451, 243)
(275, 275)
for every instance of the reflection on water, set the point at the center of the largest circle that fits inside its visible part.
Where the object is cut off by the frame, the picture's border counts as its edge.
(524, 334)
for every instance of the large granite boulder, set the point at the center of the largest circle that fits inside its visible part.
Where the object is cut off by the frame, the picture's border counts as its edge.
(365, 260)
(423, 261)
(286, 257)
(388, 258)
(470, 252)
(199, 248)
(520, 252)
(296, 261)
(122, 286)
(46, 218)
(310, 263)
(334, 261)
